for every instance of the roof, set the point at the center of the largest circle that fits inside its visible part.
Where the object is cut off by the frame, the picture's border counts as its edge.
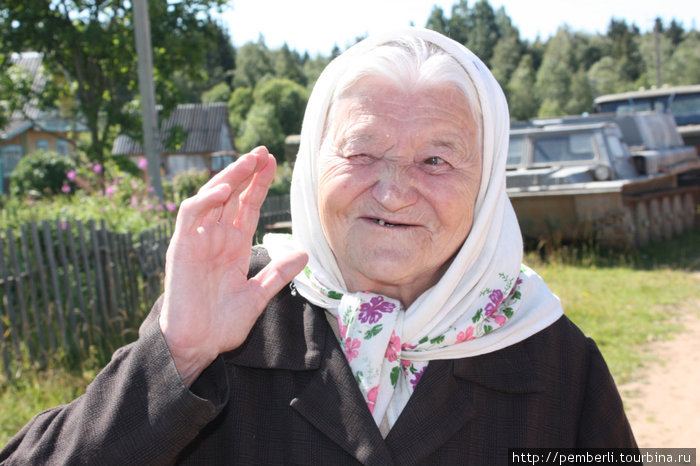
(655, 92)
(202, 124)
(31, 115)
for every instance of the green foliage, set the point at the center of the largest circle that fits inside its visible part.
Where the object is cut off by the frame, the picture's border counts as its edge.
(219, 93)
(92, 43)
(42, 172)
(186, 184)
(262, 127)
(288, 100)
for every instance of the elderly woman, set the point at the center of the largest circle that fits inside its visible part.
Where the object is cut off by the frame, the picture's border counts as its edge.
(397, 325)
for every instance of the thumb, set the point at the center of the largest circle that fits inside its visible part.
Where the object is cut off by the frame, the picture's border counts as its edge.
(275, 275)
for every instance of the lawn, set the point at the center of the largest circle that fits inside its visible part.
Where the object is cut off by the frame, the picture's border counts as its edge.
(622, 300)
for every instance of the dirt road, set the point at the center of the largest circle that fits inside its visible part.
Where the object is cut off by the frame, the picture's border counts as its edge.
(663, 404)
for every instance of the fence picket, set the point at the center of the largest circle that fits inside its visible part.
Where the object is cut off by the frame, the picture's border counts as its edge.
(41, 342)
(43, 286)
(11, 320)
(53, 272)
(68, 288)
(21, 302)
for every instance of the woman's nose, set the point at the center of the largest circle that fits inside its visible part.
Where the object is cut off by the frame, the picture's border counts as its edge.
(394, 189)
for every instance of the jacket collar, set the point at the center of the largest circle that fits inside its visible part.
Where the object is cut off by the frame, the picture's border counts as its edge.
(440, 406)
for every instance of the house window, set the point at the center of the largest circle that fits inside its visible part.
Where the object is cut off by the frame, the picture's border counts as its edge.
(10, 158)
(42, 144)
(62, 147)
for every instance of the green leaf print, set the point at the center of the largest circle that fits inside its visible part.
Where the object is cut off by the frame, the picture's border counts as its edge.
(358, 377)
(373, 332)
(394, 376)
(517, 295)
(508, 312)
(438, 340)
(487, 329)
(423, 340)
(477, 316)
(335, 295)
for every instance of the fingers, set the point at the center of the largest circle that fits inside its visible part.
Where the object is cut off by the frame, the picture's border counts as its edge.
(252, 198)
(271, 279)
(217, 200)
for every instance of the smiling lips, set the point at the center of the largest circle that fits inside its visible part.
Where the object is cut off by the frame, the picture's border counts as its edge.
(383, 223)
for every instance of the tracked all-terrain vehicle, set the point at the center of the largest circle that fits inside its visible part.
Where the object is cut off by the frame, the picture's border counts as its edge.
(620, 180)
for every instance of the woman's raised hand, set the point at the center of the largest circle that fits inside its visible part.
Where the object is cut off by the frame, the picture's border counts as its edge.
(210, 305)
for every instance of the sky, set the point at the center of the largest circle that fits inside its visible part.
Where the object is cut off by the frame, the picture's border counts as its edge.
(315, 26)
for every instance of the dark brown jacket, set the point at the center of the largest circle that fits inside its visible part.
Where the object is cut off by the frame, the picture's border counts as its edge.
(288, 397)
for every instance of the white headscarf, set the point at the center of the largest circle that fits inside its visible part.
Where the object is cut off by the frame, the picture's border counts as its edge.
(485, 301)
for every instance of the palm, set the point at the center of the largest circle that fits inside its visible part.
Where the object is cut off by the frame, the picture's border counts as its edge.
(210, 304)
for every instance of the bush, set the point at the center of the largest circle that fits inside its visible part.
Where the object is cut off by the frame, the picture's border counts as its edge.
(42, 172)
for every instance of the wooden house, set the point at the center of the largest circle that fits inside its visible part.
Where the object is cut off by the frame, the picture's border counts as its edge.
(195, 136)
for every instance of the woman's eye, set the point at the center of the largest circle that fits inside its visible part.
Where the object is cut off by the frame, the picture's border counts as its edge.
(433, 161)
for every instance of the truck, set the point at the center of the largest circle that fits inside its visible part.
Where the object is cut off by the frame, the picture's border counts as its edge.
(621, 180)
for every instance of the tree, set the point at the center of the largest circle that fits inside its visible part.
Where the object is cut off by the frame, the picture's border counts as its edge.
(287, 65)
(288, 100)
(554, 75)
(262, 128)
(522, 98)
(252, 64)
(91, 42)
(484, 32)
(219, 93)
(684, 66)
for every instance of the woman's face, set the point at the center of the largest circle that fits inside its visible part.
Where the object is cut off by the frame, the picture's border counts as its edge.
(399, 174)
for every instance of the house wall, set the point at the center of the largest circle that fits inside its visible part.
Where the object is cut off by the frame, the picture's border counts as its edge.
(28, 142)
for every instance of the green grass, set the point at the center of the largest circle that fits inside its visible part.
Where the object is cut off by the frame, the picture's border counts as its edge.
(622, 300)
(626, 300)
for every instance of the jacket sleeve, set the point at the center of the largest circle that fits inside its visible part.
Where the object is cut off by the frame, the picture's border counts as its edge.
(136, 411)
(603, 423)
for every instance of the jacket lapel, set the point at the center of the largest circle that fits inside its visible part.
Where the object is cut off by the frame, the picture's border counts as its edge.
(442, 403)
(334, 404)
(331, 401)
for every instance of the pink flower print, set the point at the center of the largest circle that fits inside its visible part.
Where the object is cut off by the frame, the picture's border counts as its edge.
(406, 363)
(372, 398)
(392, 351)
(351, 348)
(342, 329)
(372, 311)
(466, 335)
(496, 298)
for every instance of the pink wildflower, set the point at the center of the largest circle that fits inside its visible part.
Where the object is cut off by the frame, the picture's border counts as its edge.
(143, 163)
(466, 335)
(97, 168)
(65, 188)
(134, 201)
(71, 175)
(351, 348)
(392, 351)
(171, 206)
(109, 190)
(372, 398)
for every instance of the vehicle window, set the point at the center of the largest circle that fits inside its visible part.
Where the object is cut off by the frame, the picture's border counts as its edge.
(685, 105)
(515, 150)
(567, 148)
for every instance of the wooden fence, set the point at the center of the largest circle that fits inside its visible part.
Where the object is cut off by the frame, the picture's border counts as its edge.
(72, 292)
(275, 214)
